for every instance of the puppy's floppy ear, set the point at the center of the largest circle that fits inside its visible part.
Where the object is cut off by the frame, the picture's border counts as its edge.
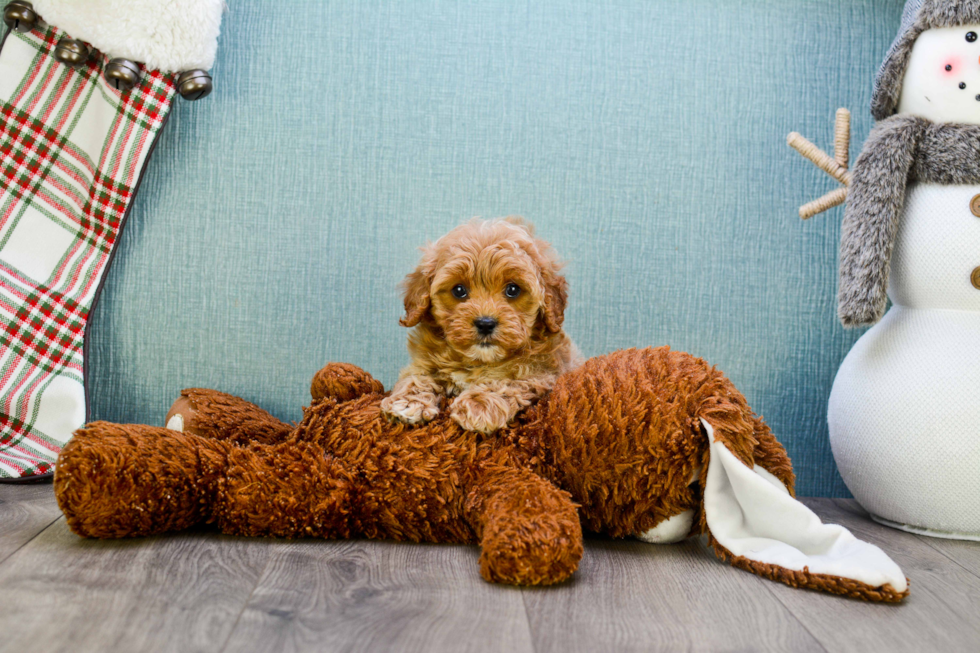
(417, 286)
(555, 300)
(552, 312)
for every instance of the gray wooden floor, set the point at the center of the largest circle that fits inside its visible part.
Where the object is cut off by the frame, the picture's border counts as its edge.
(201, 591)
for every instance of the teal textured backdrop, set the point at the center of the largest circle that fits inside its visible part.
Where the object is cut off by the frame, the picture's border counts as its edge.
(645, 139)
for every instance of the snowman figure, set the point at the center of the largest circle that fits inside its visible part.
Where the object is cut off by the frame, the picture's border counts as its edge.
(904, 412)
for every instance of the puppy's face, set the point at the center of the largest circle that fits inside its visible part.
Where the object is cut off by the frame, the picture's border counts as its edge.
(489, 289)
(486, 302)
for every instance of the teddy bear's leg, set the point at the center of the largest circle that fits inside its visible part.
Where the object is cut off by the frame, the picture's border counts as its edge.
(343, 382)
(220, 416)
(529, 530)
(114, 480)
(287, 490)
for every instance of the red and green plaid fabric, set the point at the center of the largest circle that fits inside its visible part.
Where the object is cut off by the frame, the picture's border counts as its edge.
(72, 150)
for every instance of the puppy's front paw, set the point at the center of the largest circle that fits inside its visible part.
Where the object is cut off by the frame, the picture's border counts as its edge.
(481, 412)
(411, 409)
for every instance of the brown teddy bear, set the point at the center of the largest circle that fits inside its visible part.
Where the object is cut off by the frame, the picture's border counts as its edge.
(648, 443)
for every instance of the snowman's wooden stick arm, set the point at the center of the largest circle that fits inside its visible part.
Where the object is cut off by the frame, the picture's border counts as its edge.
(825, 203)
(836, 166)
(842, 138)
(819, 158)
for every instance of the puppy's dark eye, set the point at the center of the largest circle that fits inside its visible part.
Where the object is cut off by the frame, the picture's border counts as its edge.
(971, 37)
(512, 291)
(459, 291)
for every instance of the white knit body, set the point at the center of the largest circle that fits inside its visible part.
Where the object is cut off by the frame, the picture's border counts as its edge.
(904, 412)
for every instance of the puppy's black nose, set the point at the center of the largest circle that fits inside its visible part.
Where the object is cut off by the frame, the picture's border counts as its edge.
(485, 325)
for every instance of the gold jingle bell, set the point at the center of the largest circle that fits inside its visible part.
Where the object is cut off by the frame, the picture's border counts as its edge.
(122, 74)
(20, 15)
(72, 52)
(194, 85)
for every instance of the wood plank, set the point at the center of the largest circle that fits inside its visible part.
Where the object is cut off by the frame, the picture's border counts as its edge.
(174, 593)
(25, 511)
(379, 596)
(632, 596)
(965, 554)
(940, 614)
(962, 552)
(194, 591)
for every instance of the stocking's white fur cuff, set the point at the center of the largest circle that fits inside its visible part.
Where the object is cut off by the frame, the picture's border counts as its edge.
(166, 35)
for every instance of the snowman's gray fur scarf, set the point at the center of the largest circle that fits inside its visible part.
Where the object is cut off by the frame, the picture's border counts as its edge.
(899, 150)
(920, 15)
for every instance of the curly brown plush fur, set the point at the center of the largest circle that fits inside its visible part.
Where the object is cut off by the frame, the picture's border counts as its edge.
(613, 447)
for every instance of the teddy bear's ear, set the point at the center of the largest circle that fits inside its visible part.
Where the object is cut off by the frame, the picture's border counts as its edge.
(417, 286)
(756, 525)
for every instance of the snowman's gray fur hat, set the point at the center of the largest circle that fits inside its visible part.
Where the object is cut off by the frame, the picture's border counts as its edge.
(919, 16)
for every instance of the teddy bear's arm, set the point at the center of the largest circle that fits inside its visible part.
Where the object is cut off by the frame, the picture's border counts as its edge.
(219, 416)
(343, 382)
(529, 529)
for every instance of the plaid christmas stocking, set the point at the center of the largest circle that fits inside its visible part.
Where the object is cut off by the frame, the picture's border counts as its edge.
(72, 151)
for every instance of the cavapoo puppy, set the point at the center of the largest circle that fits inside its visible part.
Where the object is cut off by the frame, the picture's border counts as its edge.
(487, 303)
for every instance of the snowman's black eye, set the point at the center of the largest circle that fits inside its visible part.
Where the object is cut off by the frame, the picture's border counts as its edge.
(948, 68)
(962, 85)
(971, 37)
(459, 291)
(978, 98)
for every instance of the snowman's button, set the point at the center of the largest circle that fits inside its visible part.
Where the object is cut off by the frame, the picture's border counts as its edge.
(975, 278)
(975, 205)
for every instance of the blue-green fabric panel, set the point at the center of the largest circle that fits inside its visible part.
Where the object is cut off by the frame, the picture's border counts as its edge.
(645, 139)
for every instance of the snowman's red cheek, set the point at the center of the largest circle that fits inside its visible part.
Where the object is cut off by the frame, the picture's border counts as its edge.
(951, 66)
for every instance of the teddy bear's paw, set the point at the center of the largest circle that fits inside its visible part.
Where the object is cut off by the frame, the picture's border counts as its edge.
(180, 415)
(411, 409)
(343, 382)
(669, 531)
(483, 413)
(514, 558)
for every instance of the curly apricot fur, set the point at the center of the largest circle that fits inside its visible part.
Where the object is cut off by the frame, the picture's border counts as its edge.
(493, 376)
